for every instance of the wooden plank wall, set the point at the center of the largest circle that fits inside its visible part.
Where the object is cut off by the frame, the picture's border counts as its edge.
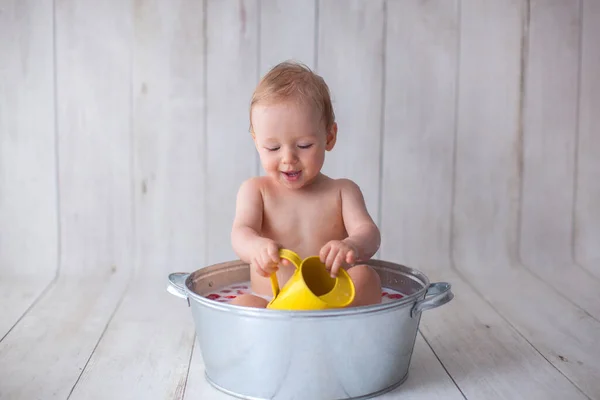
(472, 128)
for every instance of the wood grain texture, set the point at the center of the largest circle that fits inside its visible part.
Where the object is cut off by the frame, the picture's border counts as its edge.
(197, 386)
(145, 352)
(483, 352)
(231, 76)
(418, 140)
(549, 133)
(426, 378)
(350, 59)
(549, 141)
(485, 356)
(17, 295)
(28, 210)
(587, 211)
(287, 31)
(149, 340)
(45, 353)
(28, 195)
(169, 138)
(93, 57)
(487, 182)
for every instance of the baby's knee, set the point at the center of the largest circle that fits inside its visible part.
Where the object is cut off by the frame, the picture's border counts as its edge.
(249, 300)
(367, 284)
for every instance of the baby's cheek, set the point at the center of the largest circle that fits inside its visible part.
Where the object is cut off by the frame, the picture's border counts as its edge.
(269, 163)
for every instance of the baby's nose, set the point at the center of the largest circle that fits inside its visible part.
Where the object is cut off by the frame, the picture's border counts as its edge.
(289, 156)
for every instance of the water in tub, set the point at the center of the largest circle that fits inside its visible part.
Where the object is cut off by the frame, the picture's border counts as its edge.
(228, 293)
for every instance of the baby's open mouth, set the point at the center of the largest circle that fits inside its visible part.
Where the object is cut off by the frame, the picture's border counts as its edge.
(292, 175)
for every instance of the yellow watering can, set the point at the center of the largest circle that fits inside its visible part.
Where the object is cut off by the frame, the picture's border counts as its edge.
(311, 287)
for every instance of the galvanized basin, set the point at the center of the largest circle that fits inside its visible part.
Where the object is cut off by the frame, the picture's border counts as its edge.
(346, 353)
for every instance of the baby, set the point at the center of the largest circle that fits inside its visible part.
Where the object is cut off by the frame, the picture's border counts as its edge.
(295, 206)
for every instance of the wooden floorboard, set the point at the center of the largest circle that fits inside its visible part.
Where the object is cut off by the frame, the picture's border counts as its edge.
(45, 353)
(486, 356)
(63, 347)
(17, 295)
(145, 352)
(576, 284)
(562, 332)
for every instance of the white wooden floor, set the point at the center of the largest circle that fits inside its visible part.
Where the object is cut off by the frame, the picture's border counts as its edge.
(511, 337)
(473, 131)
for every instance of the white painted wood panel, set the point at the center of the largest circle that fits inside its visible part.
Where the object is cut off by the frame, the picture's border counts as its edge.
(427, 378)
(28, 217)
(169, 149)
(231, 76)
(350, 60)
(46, 352)
(287, 31)
(418, 141)
(93, 61)
(549, 132)
(145, 351)
(197, 386)
(17, 295)
(485, 355)
(487, 180)
(149, 340)
(467, 334)
(549, 143)
(486, 200)
(28, 192)
(147, 182)
(587, 215)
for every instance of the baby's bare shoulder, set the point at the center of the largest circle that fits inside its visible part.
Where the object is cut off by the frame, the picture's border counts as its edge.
(251, 190)
(254, 184)
(346, 187)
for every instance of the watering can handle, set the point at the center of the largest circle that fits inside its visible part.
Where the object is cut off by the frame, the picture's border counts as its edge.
(291, 257)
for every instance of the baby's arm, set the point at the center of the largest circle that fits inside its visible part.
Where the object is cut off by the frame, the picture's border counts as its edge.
(261, 253)
(363, 234)
(248, 219)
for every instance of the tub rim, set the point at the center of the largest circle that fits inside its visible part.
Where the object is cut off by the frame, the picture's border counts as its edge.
(264, 313)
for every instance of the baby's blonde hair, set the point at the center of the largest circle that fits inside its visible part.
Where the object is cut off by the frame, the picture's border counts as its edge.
(294, 80)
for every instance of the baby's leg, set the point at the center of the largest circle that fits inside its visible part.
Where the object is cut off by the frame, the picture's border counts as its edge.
(367, 285)
(249, 300)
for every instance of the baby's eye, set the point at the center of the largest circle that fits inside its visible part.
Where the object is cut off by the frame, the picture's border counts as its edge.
(305, 146)
(272, 148)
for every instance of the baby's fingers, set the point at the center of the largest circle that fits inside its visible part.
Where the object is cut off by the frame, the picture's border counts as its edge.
(267, 264)
(351, 257)
(273, 253)
(337, 263)
(324, 252)
(331, 257)
(256, 265)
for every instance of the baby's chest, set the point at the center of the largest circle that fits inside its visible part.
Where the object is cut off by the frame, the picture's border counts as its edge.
(307, 216)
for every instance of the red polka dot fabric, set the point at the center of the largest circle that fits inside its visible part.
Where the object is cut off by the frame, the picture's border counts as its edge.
(229, 293)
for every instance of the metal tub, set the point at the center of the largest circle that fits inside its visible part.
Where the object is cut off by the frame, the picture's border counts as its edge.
(350, 353)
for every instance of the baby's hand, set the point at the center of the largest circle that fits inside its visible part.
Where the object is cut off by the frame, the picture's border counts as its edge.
(337, 253)
(266, 257)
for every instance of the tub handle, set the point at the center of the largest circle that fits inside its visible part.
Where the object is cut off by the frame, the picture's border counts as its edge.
(438, 294)
(177, 284)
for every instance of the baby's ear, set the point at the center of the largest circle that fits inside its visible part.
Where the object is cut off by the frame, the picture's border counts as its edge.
(331, 137)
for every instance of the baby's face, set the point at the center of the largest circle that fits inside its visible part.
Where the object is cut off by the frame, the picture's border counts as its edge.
(291, 141)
